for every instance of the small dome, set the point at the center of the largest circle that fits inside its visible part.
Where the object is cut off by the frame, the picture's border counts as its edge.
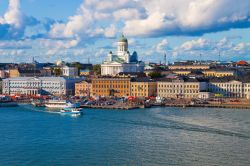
(123, 39)
(60, 63)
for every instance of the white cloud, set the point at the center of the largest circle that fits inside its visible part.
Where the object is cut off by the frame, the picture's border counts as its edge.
(162, 46)
(200, 44)
(127, 14)
(76, 25)
(13, 16)
(189, 17)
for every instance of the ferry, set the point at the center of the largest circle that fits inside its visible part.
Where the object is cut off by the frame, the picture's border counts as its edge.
(61, 104)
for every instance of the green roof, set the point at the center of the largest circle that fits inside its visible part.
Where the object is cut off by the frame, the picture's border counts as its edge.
(123, 39)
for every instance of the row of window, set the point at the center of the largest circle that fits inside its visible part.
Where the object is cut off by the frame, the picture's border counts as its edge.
(110, 86)
(177, 86)
(177, 91)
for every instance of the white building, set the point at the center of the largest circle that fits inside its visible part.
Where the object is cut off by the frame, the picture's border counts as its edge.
(123, 61)
(69, 71)
(231, 88)
(40, 85)
(180, 88)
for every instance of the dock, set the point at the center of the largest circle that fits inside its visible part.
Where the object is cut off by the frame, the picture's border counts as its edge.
(230, 106)
(111, 107)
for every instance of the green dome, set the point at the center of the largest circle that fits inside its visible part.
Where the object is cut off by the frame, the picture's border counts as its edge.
(123, 39)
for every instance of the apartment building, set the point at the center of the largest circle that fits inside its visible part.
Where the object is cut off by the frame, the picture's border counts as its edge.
(230, 87)
(218, 73)
(180, 88)
(111, 86)
(29, 73)
(84, 88)
(143, 87)
(40, 85)
(189, 67)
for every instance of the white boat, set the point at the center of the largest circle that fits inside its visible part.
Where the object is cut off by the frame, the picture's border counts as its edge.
(61, 104)
(71, 111)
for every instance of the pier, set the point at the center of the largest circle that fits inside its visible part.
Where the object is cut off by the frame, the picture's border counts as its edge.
(112, 107)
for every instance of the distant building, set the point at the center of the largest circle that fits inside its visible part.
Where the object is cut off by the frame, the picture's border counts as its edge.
(180, 88)
(123, 61)
(230, 87)
(218, 73)
(40, 85)
(182, 72)
(85, 72)
(4, 74)
(143, 87)
(69, 71)
(242, 63)
(29, 72)
(83, 88)
(111, 86)
(189, 67)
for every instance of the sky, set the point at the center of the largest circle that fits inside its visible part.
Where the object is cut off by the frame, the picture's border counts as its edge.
(78, 30)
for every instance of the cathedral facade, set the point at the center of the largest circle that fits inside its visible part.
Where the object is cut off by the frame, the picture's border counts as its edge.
(122, 61)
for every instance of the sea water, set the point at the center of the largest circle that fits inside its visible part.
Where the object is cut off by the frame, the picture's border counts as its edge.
(157, 136)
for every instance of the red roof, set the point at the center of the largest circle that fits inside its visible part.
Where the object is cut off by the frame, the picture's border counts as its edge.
(242, 63)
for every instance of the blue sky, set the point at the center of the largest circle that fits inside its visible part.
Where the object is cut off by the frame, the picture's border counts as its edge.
(75, 30)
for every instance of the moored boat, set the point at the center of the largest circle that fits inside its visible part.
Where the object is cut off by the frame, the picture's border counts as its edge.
(6, 101)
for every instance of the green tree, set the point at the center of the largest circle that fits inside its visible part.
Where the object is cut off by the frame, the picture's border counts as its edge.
(97, 69)
(57, 71)
(78, 66)
(155, 74)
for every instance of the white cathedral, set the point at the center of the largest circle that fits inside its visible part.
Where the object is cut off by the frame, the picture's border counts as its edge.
(123, 62)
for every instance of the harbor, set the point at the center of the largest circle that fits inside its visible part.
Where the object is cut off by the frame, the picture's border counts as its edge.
(134, 137)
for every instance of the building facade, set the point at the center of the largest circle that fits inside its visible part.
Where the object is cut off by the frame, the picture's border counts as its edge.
(69, 71)
(123, 61)
(83, 88)
(189, 67)
(4, 74)
(29, 73)
(180, 88)
(218, 73)
(111, 86)
(230, 88)
(143, 87)
(39, 86)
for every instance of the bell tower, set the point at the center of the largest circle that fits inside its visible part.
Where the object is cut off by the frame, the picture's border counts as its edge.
(122, 46)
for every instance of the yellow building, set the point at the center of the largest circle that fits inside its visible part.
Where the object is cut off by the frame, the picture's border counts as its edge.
(218, 73)
(111, 86)
(29, 73)
(182, 72)
(14, 73)
(189, 67)
(83, 88)
(85, 72)
(143, 87)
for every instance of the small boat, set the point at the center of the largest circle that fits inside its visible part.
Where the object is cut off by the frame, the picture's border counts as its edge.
(71, 111)
(6, 101)
(38, 103)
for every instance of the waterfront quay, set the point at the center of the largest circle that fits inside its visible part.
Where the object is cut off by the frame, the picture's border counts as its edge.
(180, 84)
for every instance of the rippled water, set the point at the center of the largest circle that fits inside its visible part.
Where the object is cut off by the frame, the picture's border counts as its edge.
(156, 136)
